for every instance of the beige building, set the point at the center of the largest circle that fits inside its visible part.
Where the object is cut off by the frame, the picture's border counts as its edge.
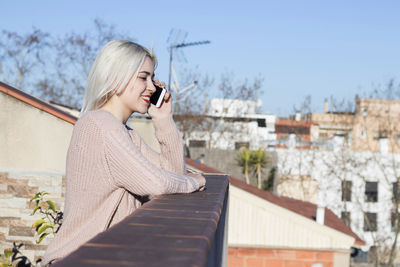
(374, 126)
(327, 125)
(377, 125)
(34, 139)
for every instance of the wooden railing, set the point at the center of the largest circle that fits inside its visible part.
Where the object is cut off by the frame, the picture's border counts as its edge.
(170, 230)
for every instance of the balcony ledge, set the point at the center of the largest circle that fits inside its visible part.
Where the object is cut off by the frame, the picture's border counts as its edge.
(169, 230)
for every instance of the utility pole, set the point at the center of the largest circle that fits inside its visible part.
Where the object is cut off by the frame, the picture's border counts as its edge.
(176, 46)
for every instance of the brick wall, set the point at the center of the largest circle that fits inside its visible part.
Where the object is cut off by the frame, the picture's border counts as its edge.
(270, 257)
(16, 189)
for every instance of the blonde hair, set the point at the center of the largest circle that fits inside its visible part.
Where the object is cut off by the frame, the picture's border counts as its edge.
(116, 64)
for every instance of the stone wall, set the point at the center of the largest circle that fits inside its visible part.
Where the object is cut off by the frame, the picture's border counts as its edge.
(17, 187)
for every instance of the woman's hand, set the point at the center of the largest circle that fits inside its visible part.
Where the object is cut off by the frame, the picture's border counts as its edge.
(200, 178)
(166, 107)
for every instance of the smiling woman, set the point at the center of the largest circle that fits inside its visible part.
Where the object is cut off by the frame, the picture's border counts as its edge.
(110, 171)
(135, 97)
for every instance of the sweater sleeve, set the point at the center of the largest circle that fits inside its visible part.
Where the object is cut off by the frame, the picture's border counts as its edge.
(128, 168)
(172, 156)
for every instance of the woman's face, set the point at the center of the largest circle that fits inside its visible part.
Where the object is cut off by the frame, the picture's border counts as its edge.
(136, 96)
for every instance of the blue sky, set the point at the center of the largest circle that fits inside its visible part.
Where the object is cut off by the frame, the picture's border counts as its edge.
(321, 48)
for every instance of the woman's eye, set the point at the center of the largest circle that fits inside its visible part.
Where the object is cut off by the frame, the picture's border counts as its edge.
(143, 78)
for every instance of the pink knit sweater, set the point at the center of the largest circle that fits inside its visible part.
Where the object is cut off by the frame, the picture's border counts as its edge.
(108, 168)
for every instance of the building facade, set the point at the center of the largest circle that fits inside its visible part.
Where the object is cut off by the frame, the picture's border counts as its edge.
(359, 187)
(372, 127)
(34, 139)
(267, 230)
(234, 124)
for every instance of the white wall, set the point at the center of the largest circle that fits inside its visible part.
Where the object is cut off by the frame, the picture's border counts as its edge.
(225, 134)
(329, 168)
(253, 221)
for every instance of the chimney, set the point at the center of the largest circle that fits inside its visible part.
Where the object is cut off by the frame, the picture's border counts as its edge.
(292, 141)
(207, 105)
(383, 145)
(297, 117)
(326, 106)
(320, 215)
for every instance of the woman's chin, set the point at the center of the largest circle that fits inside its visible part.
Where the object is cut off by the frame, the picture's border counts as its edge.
(143, 111)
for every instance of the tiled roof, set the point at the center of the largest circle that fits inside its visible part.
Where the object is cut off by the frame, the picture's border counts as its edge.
(37, 103)
(303, 208)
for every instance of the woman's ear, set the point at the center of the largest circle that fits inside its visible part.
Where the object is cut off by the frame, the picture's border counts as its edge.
(122, 91)
(118, 94)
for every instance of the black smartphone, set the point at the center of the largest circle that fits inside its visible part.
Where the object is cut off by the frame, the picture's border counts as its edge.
(158, 96)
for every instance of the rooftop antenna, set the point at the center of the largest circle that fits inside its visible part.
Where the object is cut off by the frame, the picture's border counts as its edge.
(176, 40)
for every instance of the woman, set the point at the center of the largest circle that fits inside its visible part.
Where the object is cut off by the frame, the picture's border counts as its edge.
(109, 167)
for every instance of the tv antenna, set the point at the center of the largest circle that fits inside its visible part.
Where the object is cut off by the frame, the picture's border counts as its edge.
(176, 40)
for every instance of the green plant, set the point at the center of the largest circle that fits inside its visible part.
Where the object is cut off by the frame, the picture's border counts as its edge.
(14, 257)
(258, 160)
(6, 258)
(49, 224)
(244, 161)
(51, 220)
(268, 185)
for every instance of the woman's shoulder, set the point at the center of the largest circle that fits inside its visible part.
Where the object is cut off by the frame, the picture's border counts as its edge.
(99, 118)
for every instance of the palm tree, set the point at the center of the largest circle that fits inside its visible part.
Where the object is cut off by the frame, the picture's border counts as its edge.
(258, 160)
(244, 160)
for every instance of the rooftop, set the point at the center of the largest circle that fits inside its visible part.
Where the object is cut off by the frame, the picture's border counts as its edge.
(303, 208)
(37, 103)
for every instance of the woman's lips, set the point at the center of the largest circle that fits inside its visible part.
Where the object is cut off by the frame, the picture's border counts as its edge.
(146, 98)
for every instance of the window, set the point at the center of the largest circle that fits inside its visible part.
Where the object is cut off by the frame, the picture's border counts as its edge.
(197, 143)
(261, 123)
(239, 145)
(373, 253)
(397, 136)
(346, 217)
(396, 192)
(365, 112)
(370, 222)
(323, 135)
(363, 134)
(350, 139)
(284, 137)
(357, 255)
(346, 190)
(371, 191)
(394, 221)
(376, 135)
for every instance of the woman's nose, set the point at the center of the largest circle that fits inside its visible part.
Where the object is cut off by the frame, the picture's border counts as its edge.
(152, 87)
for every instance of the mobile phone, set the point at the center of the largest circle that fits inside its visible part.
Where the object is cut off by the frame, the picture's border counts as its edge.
(158, 96)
